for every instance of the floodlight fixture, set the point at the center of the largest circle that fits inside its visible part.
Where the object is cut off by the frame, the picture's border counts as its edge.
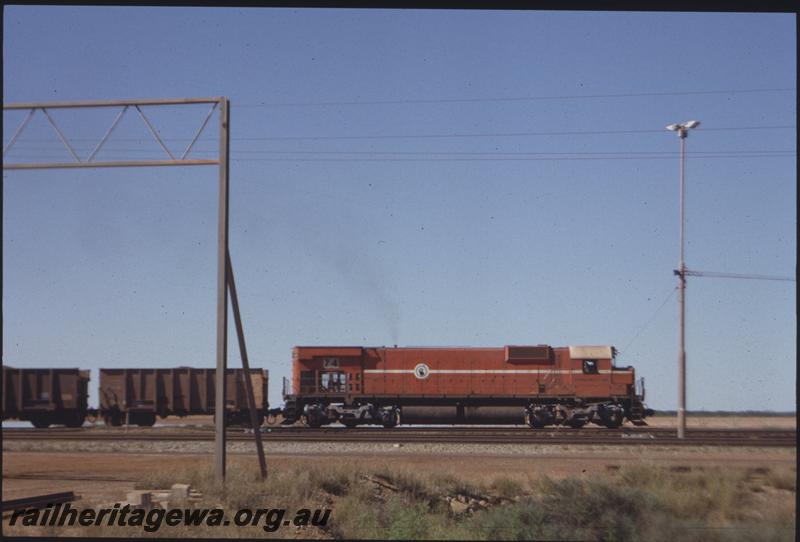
(683, 127)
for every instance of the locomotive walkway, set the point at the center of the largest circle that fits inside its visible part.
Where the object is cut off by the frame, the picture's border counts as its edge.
(456, 435)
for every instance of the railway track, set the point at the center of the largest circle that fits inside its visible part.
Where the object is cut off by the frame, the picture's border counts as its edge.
(431, 435)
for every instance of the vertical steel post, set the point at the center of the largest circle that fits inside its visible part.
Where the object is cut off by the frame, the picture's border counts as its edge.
(222, 292)
(682, 299)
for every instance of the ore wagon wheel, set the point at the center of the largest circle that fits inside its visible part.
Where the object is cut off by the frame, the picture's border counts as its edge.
(40, 422)
(245, 419)
(146, 419)
(114, 419)
(76, 420)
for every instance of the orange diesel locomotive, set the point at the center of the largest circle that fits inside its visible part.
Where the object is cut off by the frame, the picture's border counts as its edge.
(537, 385)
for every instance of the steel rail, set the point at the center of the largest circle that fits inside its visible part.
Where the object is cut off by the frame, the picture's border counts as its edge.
(668, 437)
(493, 430)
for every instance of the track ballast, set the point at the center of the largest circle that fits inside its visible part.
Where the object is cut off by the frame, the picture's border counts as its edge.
(453, 435)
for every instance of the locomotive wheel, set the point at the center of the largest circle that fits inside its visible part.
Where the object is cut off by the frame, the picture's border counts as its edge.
(311, 421)
(576, 424)
(349, 423)
(534, 421)
(390, 420)
(614, 421)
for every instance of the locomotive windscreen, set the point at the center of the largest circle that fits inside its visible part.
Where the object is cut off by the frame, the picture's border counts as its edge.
(529, 354)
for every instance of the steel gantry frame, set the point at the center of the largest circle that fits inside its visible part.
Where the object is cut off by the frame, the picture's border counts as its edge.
(225, 283)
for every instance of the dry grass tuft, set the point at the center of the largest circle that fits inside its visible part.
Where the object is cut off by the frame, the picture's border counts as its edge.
(631, 503)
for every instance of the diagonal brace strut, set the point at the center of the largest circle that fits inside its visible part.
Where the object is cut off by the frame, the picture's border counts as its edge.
(248, 383)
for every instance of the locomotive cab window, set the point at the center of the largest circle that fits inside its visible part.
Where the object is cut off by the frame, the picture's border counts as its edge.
(333, 381)
(590, 366)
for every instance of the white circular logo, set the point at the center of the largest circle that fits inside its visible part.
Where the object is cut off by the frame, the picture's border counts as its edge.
(422, 371)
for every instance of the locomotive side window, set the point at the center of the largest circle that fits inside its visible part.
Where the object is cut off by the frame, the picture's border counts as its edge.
(590, 366)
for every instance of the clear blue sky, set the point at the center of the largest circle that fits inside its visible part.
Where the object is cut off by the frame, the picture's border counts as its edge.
(359, 238)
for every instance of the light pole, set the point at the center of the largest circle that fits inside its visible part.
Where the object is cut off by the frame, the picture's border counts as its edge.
(683, 131)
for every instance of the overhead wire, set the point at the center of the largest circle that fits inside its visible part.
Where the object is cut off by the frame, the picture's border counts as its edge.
(234, 157)
(460, 135)
(439, 153)
(721, 275)
(649, 321)
(512, 159)
(513, 98)
(501, 134)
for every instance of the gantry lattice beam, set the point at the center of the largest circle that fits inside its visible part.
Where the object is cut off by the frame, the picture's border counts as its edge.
(224, 266)
(124, 106)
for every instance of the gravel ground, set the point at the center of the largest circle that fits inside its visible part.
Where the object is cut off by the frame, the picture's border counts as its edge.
(103, 471)
(323, 448)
